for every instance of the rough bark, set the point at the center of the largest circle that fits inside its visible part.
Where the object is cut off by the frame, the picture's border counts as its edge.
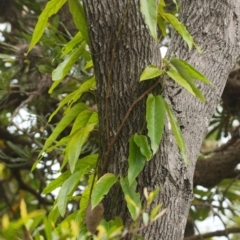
(122, 48)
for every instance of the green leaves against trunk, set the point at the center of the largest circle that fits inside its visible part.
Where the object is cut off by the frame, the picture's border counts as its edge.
(102, 188)
(177, 132)
(184, 74)
(164, 18)
(136, 161)
(155, 117)
(150, 72)
(149, 11)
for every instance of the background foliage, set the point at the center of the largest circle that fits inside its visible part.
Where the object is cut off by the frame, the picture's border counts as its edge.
(31, 206)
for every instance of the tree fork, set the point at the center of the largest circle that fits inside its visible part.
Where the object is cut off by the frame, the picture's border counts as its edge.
(134, 50)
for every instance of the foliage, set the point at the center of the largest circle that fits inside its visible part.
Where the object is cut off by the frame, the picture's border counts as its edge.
(63, 133)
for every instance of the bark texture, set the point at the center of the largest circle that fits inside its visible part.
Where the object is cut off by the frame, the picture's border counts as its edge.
(122, 48)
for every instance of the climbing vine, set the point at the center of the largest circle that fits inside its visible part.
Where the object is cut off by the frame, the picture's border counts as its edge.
(84, 120)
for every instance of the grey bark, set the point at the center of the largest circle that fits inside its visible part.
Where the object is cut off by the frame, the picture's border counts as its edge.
(122, 48)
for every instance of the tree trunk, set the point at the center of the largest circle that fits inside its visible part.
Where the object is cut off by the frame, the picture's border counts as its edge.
(121, 48)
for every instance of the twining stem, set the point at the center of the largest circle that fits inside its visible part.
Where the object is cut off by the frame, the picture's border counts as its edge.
(107, 153)
(110, 72)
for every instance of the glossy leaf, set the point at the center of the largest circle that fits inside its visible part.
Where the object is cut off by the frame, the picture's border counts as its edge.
(150, 72)
(79, 18)
(67, 188)
(179, 27)
(102, 187)
(155, 116)
(194, 73)
(136, 161)
(180, 80)
(142, 142)
(51, 8)
(149, 11)
(186, 76)
(177, 133)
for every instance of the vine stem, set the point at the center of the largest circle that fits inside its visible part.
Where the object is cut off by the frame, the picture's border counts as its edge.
(110, 72)
(107, 153)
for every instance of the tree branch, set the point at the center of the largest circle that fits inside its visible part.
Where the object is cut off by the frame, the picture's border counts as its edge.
(219, 233)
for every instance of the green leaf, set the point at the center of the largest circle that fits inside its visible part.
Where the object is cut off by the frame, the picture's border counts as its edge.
(155, 116)
(74, 96)
(130, 190)
(74, 146)
(84, 201)
(180, 80)
(63, 68)
(150, 72)
(179, 27)
(177, 133)
(65, 121)
(149, 10)
(142, 143)
(56, 182)
(86, 117)
(51, 8)
(181, 64)
(186, 75)
(88, 163)
(81, 129)
(18, 150)
(162, 25)
(89, 64)
(136, 161)
(79, 18)
(132, 207)
(155, 211)
(66, 189)
(102, 188)
(76, 40)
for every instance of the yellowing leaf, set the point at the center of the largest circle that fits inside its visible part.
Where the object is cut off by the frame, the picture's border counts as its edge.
(132, 198)
(23, 208)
